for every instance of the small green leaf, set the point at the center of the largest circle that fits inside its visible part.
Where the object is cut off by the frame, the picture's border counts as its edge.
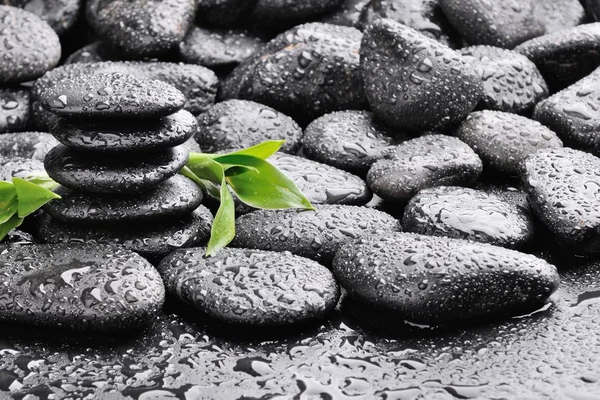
(207, 186)
(223, 228)
(263, 150)
(208, 169)
(12, 223)
(42, 179)
(199, 158)
(31, 196)
(267, 189)
(8, 201)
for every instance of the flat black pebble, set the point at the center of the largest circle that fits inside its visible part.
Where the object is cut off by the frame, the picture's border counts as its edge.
(237, 124)
(564, 191)
(414, 82)
(217, 49)
(101, 173)
(349, 140)
(61, 15)
(566, 56)
(424, 162)
(573, 113)
(170, 199)
(470, 214)
(321, 183)
(127, 135)
(496, 23)
(434, 280)
(18, 167)
(250, 287)
(153, 240)
(112, 96)
(222, 13)
(511, 82)
(17, 238)
(14, 109)
(92, 288)
(94, 52)
(312, 234)
(348, 14)
(29, 145)
(278, 14)
(30, 46)
(504, 140)
(558, 15)
(143, 28)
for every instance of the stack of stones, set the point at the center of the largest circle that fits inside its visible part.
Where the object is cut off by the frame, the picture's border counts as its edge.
(117, 164)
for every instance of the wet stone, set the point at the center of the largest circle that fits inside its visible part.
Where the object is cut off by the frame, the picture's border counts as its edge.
(17, 238)
(557, 15)
(28, 145)
(29, 46)
(495, 23)
(153, 241)
(592, 9)
(464, 213)
(143, 28)
(511, 82)
(436, 280)
(237, 124)
(14, 109)
(171, 199)
(312, 234)
(348, 14)
(95, 52)
(573, 113)
(504, 140)
(250, 287)
(18, 167)
(566, 56)
(112, 96)
(125, 136)
(349, 140)
(277, 14)
(564, 191)
(99, 173)
(424, 162)
(308, 71)
(61, 15)
(321, 183)
(222, 13)
(96, 288)
(414, 82)
(217, 49)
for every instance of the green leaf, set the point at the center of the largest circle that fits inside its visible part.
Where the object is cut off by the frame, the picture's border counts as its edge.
(207, 169)
(268, 188)
(223, 228)
(209, 187)
(41, 179)
(31, 196)
(12, 223)
(8, 201)
(263, 150)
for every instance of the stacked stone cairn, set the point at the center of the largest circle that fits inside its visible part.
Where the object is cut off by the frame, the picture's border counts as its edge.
(121, 150)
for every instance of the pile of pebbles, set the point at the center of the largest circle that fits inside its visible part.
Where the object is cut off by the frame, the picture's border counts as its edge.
(443, 142)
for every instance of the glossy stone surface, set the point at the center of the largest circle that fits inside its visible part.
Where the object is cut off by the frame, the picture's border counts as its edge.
(28, 145)
(18, 167)
(414, 82)
(251, 287)
(558, 15)
(125, 136)
(96, 288)
(273, 14)
(171, 199)
(18, 238)
(131, 173)
(439, 280)
(61, 15)
(348, 14)
(312, 234)
(14, 109)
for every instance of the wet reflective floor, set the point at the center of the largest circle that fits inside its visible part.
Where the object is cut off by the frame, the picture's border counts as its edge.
(358, 354)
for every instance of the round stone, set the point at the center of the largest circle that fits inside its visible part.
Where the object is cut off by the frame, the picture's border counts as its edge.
(112, 96)
(17, 238)
(29, 46)
(170, 199)
(28, 145)
(127, 135)
(61, 15)
(18, 167)
(251, 287)
(97, 173)
(153, 241)
(14, 109)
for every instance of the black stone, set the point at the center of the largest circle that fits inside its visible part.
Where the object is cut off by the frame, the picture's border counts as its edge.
(557, 15)
(504, 140)
(170, 199)
(566, 56)
(18, 167)
(424, 162)
(97, 173)
(414, 82)
(61, 15)
(142, 28)
(17, 238)
(95, 52)
(125, 136)
(348, 14)
(250, 287)
(564, 192)
(112, 96)
(28, 145)
(96, 288)
(237, 124)
(312, 234)
(464, 213)
(436, 280)
(152, 240)
(281, 14)
(511, 82)
(496, 23)
(14, 109)
(217, 48)
(223, 13)
(349, 140)
(30, 46)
